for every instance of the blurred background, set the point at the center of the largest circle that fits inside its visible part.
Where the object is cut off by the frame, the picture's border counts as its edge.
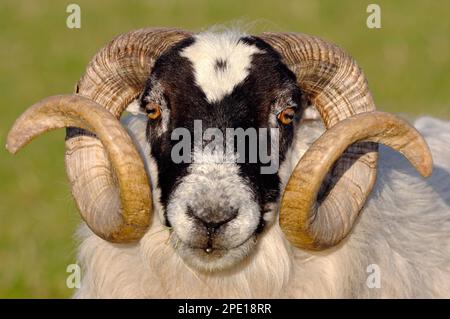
(407, 63)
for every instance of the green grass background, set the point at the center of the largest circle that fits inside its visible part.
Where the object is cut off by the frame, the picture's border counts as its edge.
(406, 62)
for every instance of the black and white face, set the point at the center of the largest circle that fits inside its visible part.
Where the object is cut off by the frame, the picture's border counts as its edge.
(217, 208)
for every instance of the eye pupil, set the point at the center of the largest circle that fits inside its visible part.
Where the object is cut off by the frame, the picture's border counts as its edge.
(286, 116)
(289, 116)
(153, 111)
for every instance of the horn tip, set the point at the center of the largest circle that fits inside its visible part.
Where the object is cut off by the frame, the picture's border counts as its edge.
(426, 170)
(11, 146)
(426, 167)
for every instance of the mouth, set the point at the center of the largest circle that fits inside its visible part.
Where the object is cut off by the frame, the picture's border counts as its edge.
(209, 259)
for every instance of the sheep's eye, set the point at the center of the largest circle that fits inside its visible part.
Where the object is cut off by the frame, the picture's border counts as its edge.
(153, 110)
(287, 116)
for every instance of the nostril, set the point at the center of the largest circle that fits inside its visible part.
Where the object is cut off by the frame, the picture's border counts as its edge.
(213, 219)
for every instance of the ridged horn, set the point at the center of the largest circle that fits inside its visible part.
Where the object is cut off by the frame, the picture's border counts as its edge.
(114, 77)
(313, 226)
(133, 202)
(335, 84)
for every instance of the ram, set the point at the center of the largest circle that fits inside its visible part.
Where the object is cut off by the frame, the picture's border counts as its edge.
(340, 217)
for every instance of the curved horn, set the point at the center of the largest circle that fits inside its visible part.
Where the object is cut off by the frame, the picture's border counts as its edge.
(118, 72)
(130, 219)
(334, 83)
(113, 78)
(316, 227)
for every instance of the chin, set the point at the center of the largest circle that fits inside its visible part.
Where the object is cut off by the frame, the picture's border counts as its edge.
(214, 260)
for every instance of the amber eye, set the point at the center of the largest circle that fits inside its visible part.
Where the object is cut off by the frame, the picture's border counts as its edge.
(153, 110)
(287, 116)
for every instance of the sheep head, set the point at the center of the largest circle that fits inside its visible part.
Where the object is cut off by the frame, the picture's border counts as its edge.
(217, 210)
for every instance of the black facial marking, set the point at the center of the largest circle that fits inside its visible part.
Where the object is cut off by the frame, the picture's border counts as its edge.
(249, 105)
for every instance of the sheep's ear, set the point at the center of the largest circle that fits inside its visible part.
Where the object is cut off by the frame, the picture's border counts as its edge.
(134, 108)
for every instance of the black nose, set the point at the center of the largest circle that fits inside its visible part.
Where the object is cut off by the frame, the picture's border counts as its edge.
(212, 219)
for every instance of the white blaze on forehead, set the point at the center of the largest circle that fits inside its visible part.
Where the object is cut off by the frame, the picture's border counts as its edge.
(220, 62)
